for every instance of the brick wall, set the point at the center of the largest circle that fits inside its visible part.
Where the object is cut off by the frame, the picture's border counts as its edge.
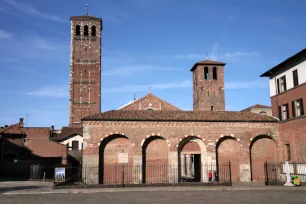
(207, 134)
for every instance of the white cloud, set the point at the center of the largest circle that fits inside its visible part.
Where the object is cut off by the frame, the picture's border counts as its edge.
(5, 35)
(184, 84)
(239, 54)
(28, 9)
(158, 86)
(130, 70)
(60, 91)
(246, 84)
(189, 56)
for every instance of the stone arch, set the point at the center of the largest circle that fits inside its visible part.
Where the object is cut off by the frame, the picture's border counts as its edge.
(228, 150)
(109, 169)
(262, 148)
(199, 159)
(155, 159)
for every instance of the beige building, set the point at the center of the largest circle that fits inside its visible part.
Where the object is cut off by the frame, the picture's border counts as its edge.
(260, 109)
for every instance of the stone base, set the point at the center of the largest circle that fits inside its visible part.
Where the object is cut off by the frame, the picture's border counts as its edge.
(288, 184)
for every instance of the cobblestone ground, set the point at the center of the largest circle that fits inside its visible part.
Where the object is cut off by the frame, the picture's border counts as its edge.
(190, 197)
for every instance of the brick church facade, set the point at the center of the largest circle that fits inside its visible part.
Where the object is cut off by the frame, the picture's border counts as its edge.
(151, 131)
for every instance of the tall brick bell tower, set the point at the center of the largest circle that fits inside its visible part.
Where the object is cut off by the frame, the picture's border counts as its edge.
(208, 86)
(85, 68)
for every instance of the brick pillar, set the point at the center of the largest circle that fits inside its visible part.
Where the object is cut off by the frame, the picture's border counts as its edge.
(137, 169)
(173, 166)
(245, 168)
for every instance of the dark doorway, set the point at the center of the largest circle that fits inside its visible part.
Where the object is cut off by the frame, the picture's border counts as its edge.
(191, 171)
(197, 167)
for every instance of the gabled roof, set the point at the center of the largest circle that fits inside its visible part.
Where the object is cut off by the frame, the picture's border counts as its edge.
(256, 106)
(186, 116)
(294, 60)
(207, 62)
(66, 133)
(149, 96)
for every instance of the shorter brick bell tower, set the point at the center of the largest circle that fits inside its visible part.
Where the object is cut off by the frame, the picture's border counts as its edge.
(208, 86)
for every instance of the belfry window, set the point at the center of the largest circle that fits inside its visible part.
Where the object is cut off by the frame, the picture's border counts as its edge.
(86, 30)
(215, 73)
(77, 30)
(93, 31)
(206, 74)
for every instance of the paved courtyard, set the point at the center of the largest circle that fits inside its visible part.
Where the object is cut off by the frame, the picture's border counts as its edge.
(178, 197)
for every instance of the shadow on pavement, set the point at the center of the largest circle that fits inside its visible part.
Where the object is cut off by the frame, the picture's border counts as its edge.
(17, 188)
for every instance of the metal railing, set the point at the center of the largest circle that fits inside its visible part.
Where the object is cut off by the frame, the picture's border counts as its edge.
(275, 173)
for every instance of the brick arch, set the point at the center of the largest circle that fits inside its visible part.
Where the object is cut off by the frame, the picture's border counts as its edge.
(202, 151)
(109, 148)
(262, 148)
(155, 159)
(228, 150)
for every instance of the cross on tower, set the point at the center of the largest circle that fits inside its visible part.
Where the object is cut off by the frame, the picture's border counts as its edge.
(86, 9)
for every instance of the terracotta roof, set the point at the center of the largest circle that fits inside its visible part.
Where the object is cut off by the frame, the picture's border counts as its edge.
(66, 133)
(293, 60)
(16, 129)
(207, 62)
(199, 116)
(84, 18)
(256, 106)
(150, 96)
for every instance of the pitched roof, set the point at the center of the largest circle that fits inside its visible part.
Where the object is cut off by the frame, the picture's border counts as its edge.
(256, 106)
(186, 116)
(295, 59)
(16, 129)
(148, 96)
(84, 18)
(66, 133)
(207, 62)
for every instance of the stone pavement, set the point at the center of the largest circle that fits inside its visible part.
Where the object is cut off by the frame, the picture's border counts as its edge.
(38, 187)
(159, 197)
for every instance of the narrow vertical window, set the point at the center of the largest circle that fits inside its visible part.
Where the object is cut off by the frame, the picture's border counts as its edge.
(278, 87)
(93, 31)
(211, 108)
(280, 113)
(215, 73)
(206, 73)
(295, 78)
(288, 152)
(285, 113)
(86, 30)
(283, 84)
(77, 30)
(207, 93)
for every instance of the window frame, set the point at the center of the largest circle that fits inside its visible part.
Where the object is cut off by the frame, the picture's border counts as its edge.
(295, 77)
(73, 143)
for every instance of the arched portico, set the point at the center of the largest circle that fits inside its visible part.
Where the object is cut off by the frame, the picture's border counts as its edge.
(193, 160)
(109, 167)
(262, 148)
(155, 160)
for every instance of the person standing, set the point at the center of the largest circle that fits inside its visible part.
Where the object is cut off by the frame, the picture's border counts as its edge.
(209, 176)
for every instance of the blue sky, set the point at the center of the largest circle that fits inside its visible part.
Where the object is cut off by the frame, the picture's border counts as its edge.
(145, 43)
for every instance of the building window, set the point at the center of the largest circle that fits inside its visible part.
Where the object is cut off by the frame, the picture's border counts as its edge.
(77, 30)
(215, 73)
(93, 31)
(297, 108)
(206, 74)
(281, 84)
(86, 30)
(263, 113)
(75, 145)
(285, 113)
(288, 152)
(211, 108)
(295, 78)
(207, 93)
